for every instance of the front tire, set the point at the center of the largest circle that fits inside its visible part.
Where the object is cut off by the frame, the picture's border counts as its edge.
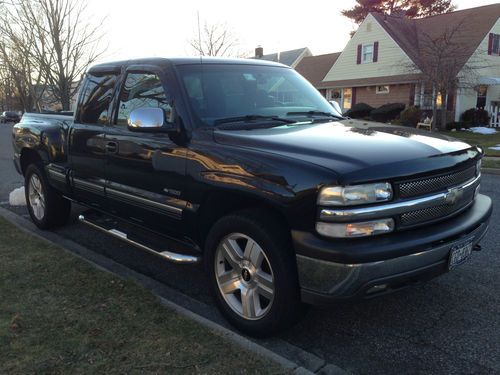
(46, 206)
(252, 271)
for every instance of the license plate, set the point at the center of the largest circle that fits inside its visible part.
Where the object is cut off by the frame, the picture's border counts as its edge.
(459, 254)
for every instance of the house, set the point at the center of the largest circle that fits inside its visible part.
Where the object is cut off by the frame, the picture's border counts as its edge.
(382, 63)
(291, 58)
(314, 68)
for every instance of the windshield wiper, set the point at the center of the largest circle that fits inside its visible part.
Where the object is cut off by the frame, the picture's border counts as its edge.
(252, 118)
(316, 113)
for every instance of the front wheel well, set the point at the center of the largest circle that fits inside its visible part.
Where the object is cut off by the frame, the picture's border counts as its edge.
(219, 204)
(28, 156)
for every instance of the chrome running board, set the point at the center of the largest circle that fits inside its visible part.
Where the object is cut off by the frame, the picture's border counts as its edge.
(121, 235)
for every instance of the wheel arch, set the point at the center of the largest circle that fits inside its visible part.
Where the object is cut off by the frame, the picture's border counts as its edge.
(218, 204)
(29, 156)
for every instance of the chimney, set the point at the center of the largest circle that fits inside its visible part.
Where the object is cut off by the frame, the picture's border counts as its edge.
(259, 52)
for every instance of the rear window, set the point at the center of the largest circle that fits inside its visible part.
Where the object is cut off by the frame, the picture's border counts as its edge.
(95, 98)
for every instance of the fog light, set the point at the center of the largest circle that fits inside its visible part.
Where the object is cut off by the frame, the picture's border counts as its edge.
(362, 229)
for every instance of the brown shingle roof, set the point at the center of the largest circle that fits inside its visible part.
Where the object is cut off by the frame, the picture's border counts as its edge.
(410, 34)
(314, 68)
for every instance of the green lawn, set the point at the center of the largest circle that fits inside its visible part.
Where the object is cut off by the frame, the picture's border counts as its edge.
(60, 315)
(484, 141)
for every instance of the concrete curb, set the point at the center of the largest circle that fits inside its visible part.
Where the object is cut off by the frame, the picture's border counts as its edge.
(303, 362)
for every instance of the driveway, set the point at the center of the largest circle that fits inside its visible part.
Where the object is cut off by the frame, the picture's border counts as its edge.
(450, 325)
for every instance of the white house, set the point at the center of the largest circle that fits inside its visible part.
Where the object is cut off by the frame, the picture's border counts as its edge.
(380, 64)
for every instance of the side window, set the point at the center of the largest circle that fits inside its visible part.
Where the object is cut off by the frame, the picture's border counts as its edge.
(141, 90)
(95, 98)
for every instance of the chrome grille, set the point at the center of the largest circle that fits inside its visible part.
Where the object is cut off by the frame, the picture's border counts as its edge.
(437, 212)
(434, 184)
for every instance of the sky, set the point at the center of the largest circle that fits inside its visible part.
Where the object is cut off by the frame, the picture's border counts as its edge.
(151, 28)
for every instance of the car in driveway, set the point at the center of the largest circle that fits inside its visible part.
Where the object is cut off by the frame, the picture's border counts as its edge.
(244, 166)
(9, 116)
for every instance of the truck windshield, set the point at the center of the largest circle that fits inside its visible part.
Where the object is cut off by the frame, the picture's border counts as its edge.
(219, 93)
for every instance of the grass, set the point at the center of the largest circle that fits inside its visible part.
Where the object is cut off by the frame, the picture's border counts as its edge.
(482, 140)
(491, 163)
(60, 315)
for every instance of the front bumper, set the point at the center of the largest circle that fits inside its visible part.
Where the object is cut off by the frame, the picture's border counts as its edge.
(337, 269)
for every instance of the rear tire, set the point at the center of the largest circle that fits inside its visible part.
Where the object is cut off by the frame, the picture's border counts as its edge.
(46, 206)
(253, 275)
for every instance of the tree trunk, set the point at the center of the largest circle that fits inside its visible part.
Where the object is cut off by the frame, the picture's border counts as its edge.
(434, 109)
(444, 100)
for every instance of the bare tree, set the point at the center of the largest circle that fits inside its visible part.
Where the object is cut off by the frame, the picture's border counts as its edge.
(55, 40)
(214, 40)
(20, 70)
(444, 61)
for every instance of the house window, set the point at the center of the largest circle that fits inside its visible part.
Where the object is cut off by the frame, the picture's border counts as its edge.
(481, 96)
(367, 54)
(382, 89)
(495, 44)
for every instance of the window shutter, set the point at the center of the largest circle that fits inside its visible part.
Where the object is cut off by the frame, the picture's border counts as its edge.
(490, 44)
(375, 52)
(353, 98)
(358, 58)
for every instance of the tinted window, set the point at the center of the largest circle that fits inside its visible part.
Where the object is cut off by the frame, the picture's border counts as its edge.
(96, 98)
(141, 90)
(220, 91)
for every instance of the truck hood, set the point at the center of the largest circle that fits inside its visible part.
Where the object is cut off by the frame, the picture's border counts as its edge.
(353, 148)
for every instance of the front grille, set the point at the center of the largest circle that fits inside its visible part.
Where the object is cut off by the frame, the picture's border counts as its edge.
(415, 188)
(437, 212)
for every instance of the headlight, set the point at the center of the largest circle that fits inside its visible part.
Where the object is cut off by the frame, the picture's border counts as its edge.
(478, 167)
(346, 230)
(356, 194)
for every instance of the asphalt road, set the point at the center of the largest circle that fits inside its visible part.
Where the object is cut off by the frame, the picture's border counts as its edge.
(450, 325)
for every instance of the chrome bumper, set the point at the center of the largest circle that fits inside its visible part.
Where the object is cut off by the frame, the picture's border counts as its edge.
(322, 280)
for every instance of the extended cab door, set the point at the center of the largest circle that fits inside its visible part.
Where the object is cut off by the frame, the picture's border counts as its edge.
(87, 145)
(145, 171)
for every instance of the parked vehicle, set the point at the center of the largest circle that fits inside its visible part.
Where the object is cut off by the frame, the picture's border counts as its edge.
(9, 116)
(243, 165)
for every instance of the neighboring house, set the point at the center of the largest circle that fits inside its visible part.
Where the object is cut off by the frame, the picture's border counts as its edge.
(314, 68)
(380, 64)
(290, 58)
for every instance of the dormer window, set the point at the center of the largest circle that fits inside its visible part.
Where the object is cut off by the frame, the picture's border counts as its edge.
(494, 44)
(367, 53)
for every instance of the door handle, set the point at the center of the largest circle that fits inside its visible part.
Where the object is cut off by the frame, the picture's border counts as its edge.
(111, 147)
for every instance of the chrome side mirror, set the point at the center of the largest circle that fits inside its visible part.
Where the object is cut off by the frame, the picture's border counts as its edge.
(149, 119)
(336, 107)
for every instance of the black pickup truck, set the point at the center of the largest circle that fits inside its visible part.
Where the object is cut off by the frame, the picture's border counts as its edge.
(243, 165)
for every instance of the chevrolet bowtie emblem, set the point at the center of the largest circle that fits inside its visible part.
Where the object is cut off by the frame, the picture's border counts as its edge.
(453, 195)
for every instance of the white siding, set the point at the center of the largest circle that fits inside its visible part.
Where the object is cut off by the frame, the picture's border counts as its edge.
(484, 65)
(392, 60)
(466, 98)
(479, 65)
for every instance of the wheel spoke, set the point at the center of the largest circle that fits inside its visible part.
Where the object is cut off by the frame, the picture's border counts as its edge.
(265, 286)
(250, 303)
(33, 189)
(232, 252)
(253, 253)
(229, 282)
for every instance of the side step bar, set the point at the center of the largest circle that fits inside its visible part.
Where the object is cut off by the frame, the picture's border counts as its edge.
(168, 255)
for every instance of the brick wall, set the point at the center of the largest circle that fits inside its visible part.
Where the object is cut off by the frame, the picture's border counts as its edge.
(397, 94)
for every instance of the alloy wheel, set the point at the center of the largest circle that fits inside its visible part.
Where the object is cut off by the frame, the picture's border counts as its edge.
(244, 276)
(36, 197)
